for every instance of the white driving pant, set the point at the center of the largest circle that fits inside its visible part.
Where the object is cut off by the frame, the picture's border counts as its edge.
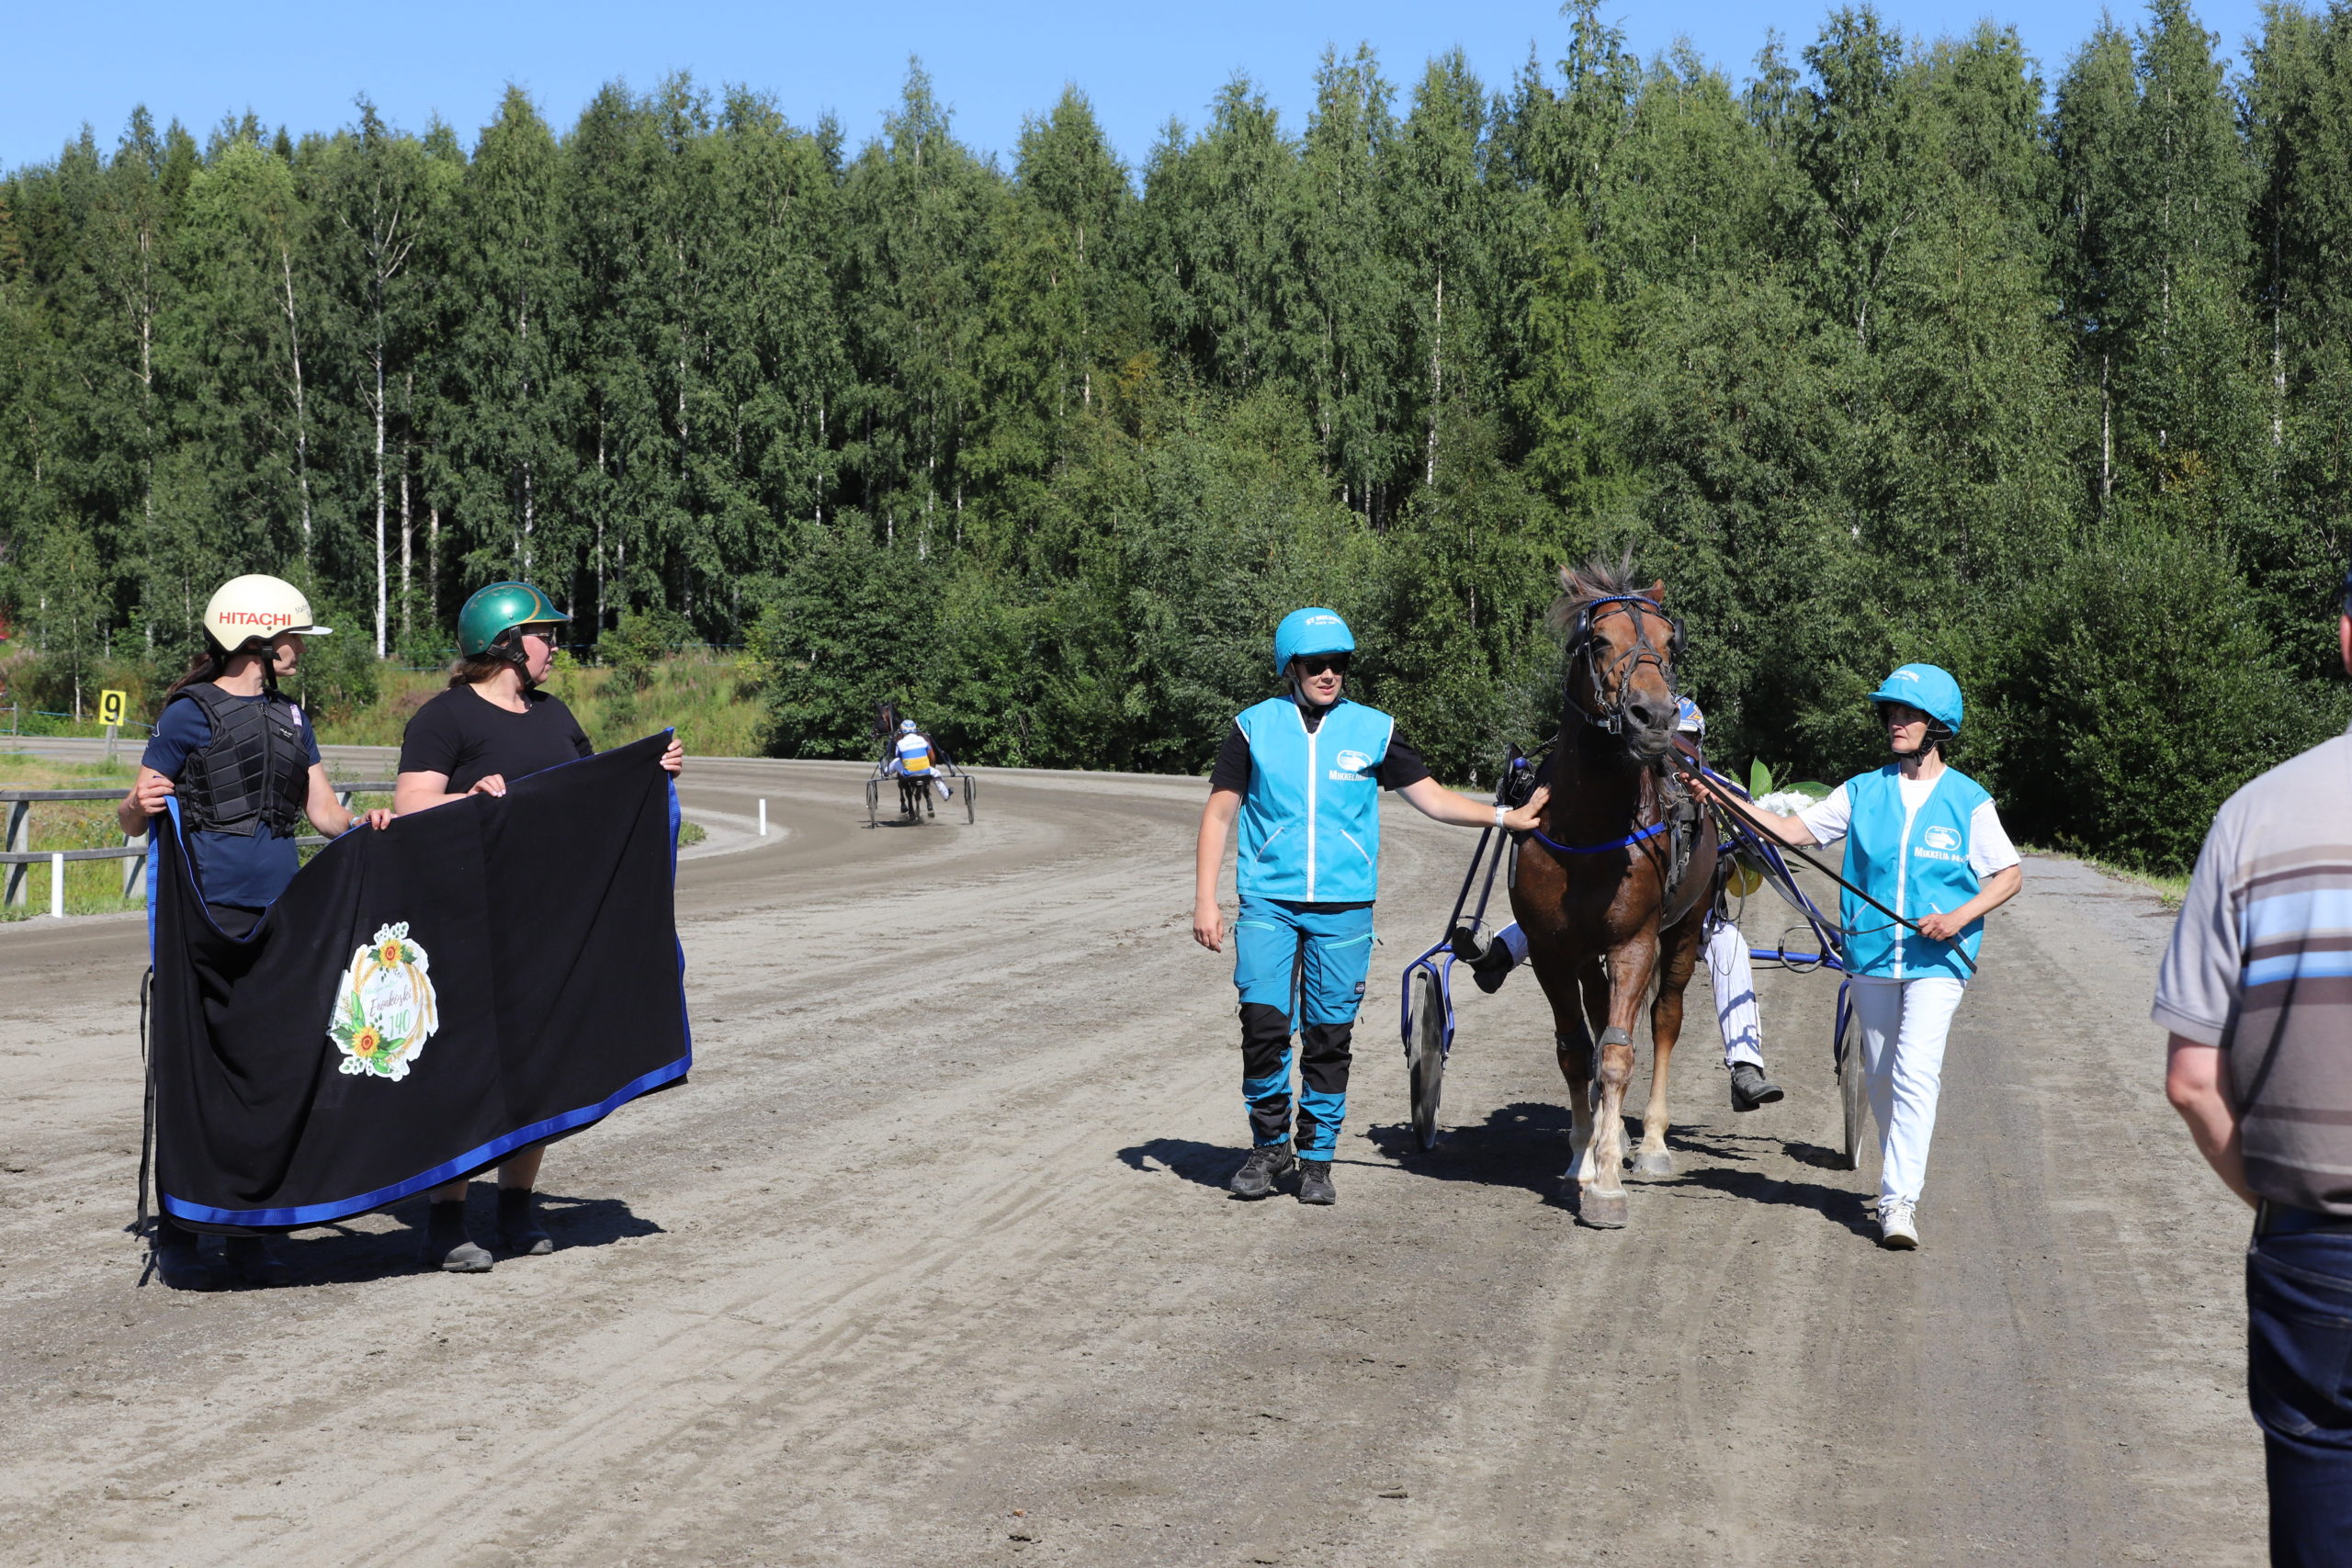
(1902, 1024)
(1735, 983)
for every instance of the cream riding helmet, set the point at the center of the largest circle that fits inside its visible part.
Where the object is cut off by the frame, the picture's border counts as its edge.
(256, 608)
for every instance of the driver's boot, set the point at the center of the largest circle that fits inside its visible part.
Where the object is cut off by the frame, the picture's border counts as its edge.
(1750, 1090)
(1490, 960)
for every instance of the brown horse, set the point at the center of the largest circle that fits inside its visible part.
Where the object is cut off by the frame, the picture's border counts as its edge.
(1617, 877)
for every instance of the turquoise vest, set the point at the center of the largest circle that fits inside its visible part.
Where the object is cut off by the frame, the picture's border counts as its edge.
(1310, 822)
(1919, 873)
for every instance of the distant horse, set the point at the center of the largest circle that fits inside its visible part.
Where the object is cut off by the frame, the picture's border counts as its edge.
(1617, 877)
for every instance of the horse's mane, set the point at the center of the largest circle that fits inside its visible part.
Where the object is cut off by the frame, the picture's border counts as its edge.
(1598, 578)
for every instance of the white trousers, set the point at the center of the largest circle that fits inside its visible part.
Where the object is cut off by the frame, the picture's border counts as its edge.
(1735, 983)
(1904, 1023)
(1727, 969)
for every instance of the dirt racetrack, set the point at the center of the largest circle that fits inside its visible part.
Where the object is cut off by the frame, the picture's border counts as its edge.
(929, 1264)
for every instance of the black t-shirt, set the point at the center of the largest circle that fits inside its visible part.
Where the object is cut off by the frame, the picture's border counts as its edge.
(468, 738)
(1402, 766)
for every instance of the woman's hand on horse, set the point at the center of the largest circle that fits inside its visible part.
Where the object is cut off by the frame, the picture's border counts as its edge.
(1209, 927)
(675, 756)
(379, 817)
(488, 783)
(1530, 815)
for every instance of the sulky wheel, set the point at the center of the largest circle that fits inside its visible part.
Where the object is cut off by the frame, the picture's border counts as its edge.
(969, 814)
(1852, 1081)
(874, 802)
(1425, 1052)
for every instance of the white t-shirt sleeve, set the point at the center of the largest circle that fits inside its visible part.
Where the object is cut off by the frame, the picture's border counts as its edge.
(1827, 820)
(1989, 848)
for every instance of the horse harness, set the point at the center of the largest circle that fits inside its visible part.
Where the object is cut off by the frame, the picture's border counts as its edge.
(1605, 713)
(1680, 824)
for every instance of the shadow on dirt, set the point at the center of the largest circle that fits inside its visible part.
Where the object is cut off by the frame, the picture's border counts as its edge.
(341, 1255)
(1834, 1205)
(1526, 1145)
(1202, 1165)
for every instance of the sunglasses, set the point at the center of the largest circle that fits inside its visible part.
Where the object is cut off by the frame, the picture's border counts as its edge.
(1322, 664)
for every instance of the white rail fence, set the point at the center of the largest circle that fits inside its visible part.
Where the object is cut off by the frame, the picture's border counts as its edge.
(20, 856)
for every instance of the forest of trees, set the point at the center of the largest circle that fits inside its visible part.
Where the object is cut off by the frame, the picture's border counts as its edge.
(1893, 349)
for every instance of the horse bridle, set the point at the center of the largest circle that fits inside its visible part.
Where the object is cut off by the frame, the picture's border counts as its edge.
(1604, 713)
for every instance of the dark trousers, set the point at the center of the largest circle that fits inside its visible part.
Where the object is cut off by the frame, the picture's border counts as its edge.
(2299, 1379)
(1323, 1059)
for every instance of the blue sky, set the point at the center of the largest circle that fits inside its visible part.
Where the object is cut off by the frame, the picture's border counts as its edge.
(300, 65)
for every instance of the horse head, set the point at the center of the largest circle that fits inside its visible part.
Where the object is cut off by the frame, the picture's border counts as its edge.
(1620, 648)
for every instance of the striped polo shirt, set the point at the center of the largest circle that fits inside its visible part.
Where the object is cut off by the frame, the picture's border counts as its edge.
(2260, 966)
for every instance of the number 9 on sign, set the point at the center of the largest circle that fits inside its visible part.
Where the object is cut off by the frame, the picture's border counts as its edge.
(112, 705)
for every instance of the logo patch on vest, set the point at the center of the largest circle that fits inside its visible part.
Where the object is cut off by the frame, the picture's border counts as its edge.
(1942, 838)
(1352, 765)
(385, 1009)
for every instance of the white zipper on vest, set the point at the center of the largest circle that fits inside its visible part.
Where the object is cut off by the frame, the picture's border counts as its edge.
(1313, 768)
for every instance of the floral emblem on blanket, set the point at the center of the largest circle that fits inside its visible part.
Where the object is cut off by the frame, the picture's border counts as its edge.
(384, 1009)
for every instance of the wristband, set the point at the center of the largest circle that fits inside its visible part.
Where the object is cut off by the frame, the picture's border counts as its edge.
(1501, 812)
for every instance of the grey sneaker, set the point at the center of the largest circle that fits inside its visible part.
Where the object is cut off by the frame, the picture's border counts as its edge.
(1315, 1183)
(518, 1224)
(1267, 1164)
(1898, 1225)
(1750, 1089)
(447, 1246)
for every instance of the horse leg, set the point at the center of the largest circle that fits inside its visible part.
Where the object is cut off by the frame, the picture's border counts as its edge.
(1679, 957)
(1572, 1041)
(1602, 1200)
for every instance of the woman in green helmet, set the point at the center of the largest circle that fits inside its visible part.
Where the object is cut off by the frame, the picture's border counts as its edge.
(492, 725)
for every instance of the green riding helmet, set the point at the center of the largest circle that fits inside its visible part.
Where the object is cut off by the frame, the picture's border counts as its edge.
(498, 609)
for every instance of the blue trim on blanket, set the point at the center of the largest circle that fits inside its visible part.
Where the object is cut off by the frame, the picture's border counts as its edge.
(473, 1159)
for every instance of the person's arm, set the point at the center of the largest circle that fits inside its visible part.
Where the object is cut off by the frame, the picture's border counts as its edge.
(1997, 890)
(330, 815)
(148, 792)
(1208, 856)
(1788, 829)
(1439, 804)
(423, 790)
(2195, 1084)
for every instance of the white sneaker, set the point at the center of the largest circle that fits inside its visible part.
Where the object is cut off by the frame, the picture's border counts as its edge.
(1897, 1225)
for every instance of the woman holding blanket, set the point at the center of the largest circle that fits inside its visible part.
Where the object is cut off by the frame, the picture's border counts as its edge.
(1924, 840)
(494, 724)
(241, 761)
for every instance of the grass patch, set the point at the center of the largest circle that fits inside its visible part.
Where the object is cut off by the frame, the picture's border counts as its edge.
(91, 888)
(691, 832)
(713, 702)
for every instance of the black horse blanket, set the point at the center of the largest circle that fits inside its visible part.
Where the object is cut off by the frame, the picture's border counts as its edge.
(422, 1002)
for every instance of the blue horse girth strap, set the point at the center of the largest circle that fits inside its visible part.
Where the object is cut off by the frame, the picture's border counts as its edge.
(1626, 842)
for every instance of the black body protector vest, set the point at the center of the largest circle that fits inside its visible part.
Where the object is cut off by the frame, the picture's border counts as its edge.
(254, 769)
